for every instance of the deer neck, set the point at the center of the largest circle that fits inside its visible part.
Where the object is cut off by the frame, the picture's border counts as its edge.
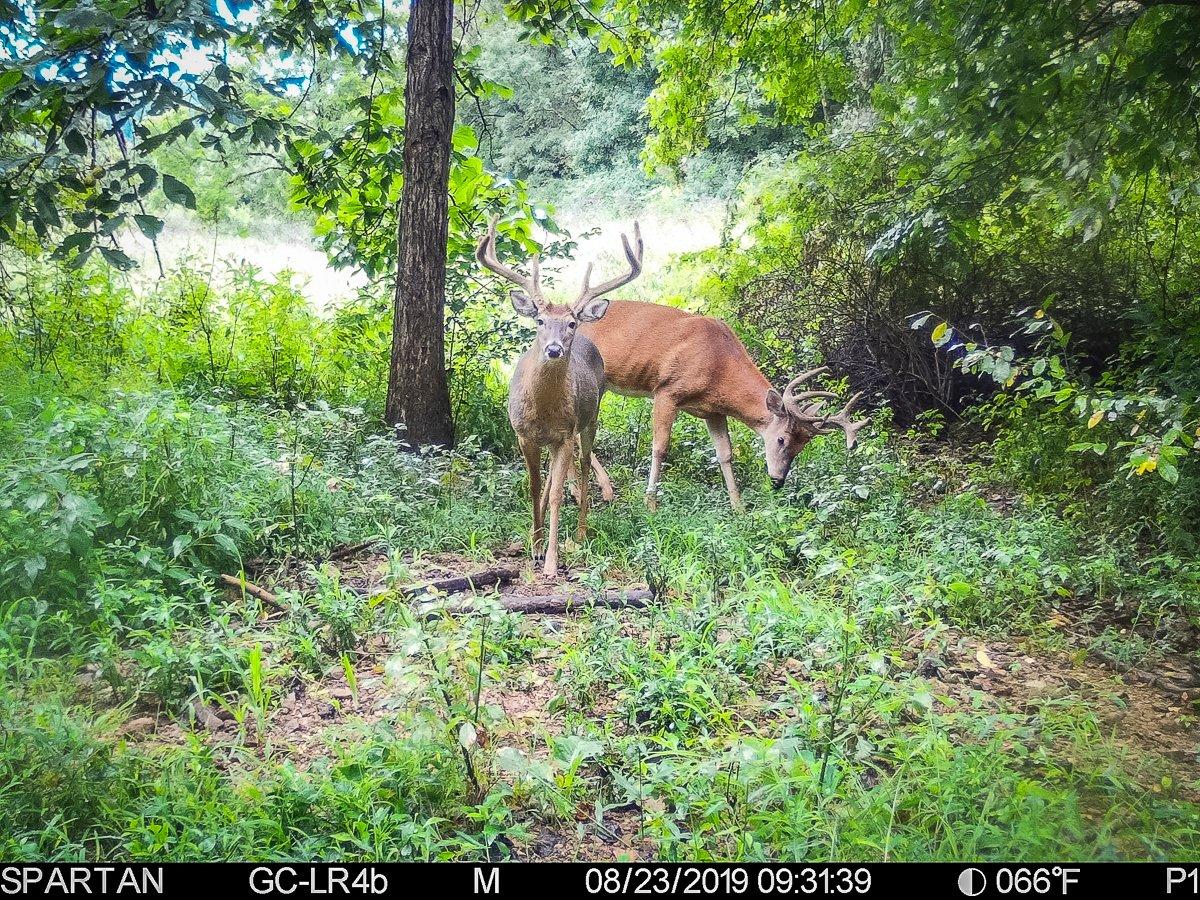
(747, 398)
(548, 384)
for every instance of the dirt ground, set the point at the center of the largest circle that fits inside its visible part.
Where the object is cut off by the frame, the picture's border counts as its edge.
(1146, 712)
(1150, 713)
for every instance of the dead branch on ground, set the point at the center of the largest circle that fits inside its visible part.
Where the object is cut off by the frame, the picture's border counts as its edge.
(461, 583)
(253, 590)
(546, 604)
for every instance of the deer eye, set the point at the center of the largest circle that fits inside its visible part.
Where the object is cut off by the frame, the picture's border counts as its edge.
(780, 440)
(571, 324)
(540, 322)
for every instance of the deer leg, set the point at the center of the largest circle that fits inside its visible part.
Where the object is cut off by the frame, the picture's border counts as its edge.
(665, 412)
(586, 438)
(533, 464)
(560, 462)
(572, 481)
(718, 430)
(546, 489)
(602, 479)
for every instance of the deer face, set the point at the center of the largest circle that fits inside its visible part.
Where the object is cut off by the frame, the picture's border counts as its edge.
(784, 437)
(798, 417)
(557, 324)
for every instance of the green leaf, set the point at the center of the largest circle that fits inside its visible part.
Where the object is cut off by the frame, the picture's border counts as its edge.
(34, 565)
(830, 568)
(117, 258)
(112, 225)
(151, 226)
(43, 200)
(79, 241)
(178, 192)
(75, 142)
(84, 18)
(226, 543)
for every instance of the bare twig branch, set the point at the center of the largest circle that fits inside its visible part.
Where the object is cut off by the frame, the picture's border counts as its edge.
(253, 590)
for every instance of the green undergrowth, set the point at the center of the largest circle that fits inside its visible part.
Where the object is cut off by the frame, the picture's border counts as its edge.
(763, 710)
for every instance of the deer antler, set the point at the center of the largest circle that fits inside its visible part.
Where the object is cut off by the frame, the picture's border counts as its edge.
(792, 401)
(841, 419)
(632, 253)
(810, 413)
(485, 252)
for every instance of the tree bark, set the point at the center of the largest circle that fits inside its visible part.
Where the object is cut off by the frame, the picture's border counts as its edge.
(418, 392)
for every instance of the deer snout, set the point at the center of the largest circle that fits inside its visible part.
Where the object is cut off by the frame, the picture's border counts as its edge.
(554, 351)
(777, 483)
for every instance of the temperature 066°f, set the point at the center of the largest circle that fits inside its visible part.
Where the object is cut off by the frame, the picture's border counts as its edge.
(1043, 880)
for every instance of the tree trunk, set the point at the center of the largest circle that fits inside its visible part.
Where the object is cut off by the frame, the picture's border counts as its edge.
(418, 393)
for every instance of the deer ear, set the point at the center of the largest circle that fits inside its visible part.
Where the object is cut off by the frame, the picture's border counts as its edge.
(775, 404)
(523, 305)
(592, 311)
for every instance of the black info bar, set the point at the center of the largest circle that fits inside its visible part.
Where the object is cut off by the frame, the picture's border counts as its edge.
(383, 880)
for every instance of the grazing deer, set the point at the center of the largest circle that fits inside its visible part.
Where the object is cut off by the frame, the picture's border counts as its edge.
(554, 395)
(697, 364)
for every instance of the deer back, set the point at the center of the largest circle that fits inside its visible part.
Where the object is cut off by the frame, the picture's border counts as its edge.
(649, 348)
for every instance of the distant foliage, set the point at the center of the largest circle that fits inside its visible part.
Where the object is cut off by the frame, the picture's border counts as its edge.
(571, 123)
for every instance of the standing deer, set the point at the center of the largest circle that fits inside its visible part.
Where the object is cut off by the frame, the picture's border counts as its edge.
(697, 364)
(554, 395)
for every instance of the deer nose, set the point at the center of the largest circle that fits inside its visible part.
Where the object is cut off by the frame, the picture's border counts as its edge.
(777, 483)
(554, 351)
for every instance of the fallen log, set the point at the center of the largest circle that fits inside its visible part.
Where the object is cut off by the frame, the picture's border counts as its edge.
(551, 604)
(461, 583)
(350, 550)
(253, 590)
